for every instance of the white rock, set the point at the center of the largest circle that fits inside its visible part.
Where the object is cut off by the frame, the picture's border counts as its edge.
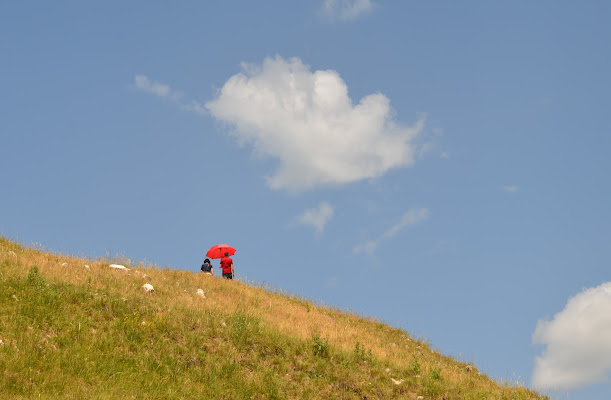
(87, 266)
(117, 266)
(396, 382)
(147, 287)
(200, 292)
(64, 264)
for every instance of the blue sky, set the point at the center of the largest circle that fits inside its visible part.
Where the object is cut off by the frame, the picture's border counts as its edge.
(442, 166)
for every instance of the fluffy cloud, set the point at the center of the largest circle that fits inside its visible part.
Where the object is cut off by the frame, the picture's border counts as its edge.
(307, 121)
(346, 9)
(412, 217)
(317, 217)
(578, 341)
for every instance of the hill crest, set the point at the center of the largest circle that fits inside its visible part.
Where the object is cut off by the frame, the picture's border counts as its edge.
(72, 327)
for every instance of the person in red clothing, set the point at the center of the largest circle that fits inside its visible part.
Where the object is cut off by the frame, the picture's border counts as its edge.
(227, 266)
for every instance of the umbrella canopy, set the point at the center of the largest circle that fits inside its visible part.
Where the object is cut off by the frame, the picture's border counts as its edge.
(219, 251)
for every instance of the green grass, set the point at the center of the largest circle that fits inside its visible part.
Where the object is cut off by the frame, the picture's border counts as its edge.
(69, 332)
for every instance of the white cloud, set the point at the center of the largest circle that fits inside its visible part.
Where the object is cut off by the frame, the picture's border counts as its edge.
(510, 188)
(367, 248)
(307, 121)
(317, 217)
(346, 10)
(412, 217)
(578, 341)
(196, 107)
(142, 82)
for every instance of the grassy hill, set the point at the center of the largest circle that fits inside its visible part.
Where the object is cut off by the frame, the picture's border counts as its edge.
(74, 328)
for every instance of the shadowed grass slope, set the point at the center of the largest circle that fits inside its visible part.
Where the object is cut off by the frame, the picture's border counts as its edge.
(73, 328)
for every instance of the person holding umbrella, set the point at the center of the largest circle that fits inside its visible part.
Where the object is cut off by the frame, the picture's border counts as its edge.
(223, 251)
(227, 266)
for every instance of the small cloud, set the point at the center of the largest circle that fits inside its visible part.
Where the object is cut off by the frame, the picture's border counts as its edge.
(424, 149)
(346, 10)
(412, 217)
(509, 188)
(578, 342)
(317, 217)
(367, 248)
(142, 82)
(196, 107)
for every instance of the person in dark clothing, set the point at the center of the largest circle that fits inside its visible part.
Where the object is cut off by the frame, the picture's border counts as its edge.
(207, 267)
(227, 266)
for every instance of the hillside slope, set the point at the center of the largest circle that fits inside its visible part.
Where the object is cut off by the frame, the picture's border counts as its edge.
(74, 328)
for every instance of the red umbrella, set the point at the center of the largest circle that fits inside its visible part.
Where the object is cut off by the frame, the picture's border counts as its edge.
(219, 251)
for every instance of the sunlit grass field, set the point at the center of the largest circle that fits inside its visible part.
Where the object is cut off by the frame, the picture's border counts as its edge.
(74, 328)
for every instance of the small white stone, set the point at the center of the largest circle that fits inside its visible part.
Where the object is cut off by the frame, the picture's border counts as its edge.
(117, 266)
(200, 292)
(87, 266)
(147, 288)
(64, 264)
(396, 382)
